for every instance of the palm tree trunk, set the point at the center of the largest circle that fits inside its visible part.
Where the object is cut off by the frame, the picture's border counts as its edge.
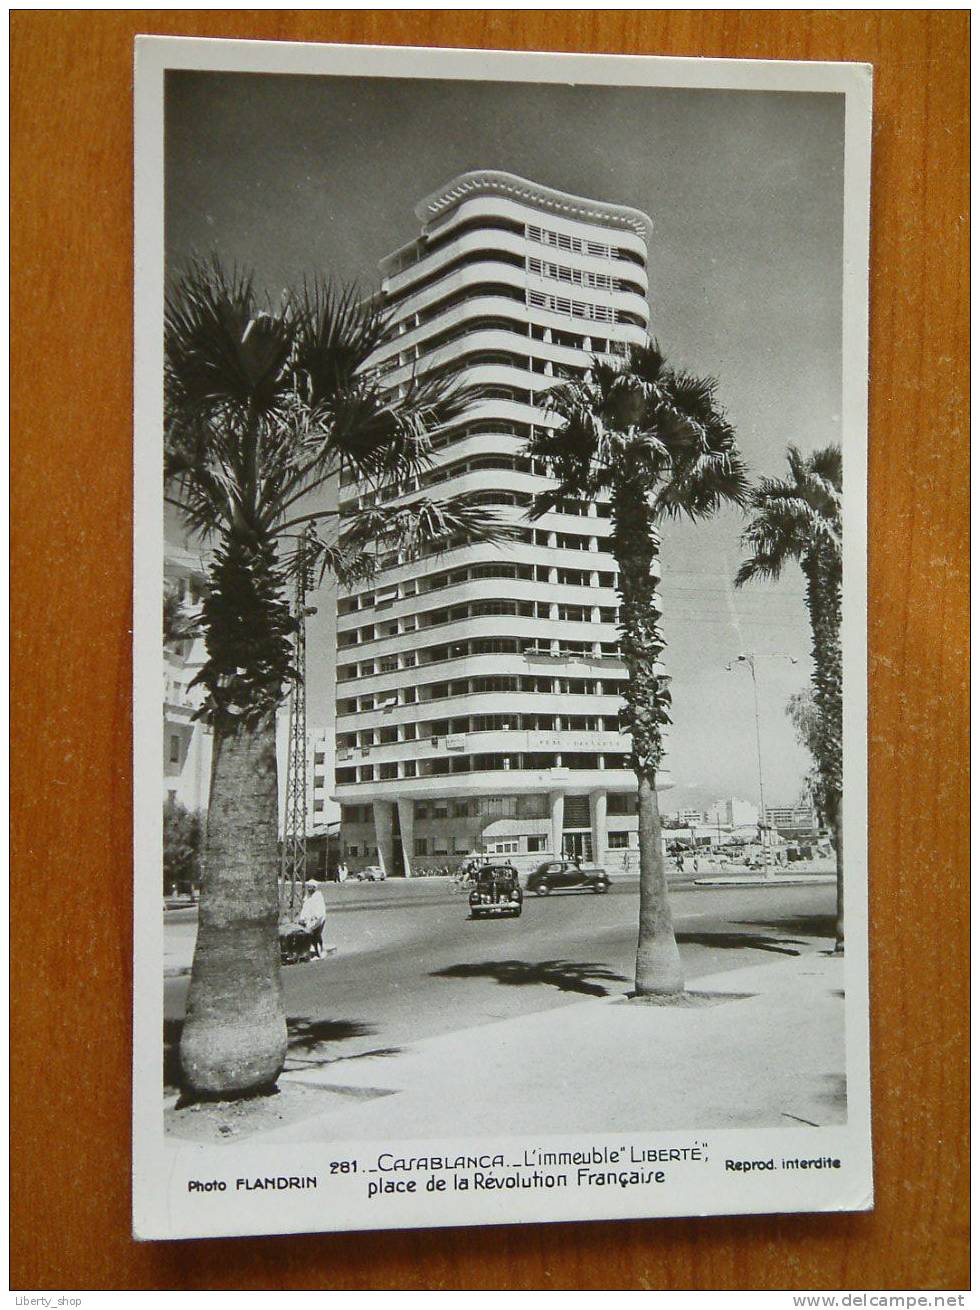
(658, 961)
(635, 544)
(839, 853)
(234, 1038)
(824, 603)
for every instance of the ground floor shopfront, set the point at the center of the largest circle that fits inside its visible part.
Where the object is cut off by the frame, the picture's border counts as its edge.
(411, 836)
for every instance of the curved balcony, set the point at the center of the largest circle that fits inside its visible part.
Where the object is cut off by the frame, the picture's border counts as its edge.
(512, 552)
(491, 307)
(475, 241)
(479, 702)
(490, 272)
(498, 782)
(497, 340)
(526, 202)
(501, 588)
(540, 631)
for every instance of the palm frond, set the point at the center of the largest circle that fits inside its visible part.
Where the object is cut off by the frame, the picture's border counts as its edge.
(221, 346)
(337, 332)
(797, 518)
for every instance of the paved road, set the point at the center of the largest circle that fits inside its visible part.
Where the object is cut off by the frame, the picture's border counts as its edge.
(410, 964)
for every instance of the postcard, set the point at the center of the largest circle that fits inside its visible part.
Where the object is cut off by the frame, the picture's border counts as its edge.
(500, 552)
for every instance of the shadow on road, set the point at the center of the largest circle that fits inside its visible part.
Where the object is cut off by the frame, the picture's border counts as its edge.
(566, 975)
(807, 925)
(739, 941)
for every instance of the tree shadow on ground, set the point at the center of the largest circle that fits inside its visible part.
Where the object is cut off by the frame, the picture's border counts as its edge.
(305, 1036)
(804, 925)
(315, 1039)
(566, 975)
(740, 941)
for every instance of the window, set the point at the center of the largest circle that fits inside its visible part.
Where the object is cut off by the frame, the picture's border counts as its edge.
(619, 841)
(508, 846)
(175, 748)
(352, 849)
(318, 807)
(421, 845)
(537, 844)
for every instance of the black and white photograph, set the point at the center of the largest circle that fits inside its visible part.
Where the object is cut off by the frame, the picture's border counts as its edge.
(500, 443)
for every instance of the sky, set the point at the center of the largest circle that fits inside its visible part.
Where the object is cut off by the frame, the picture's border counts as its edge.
(295, 175)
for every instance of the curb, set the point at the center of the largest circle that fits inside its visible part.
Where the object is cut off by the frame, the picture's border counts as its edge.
(182, 970)
(802, 880)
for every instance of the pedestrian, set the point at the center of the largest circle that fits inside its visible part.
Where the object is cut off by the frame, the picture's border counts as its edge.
(694, 864)
(313, 916)
(341, 872)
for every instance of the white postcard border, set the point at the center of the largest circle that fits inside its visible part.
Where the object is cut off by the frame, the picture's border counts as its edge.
(161, 1208)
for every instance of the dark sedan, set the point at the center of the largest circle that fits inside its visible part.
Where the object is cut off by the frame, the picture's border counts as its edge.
(562, 875)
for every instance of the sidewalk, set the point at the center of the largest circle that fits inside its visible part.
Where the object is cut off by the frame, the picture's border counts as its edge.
(768, 1050)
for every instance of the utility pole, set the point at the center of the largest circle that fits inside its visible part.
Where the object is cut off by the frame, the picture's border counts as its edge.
(749, 660)
(292, 853)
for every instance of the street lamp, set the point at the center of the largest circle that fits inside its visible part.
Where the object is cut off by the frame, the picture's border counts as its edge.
(750, 660)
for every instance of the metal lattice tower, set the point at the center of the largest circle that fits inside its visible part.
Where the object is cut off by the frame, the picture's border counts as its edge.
(292, 857)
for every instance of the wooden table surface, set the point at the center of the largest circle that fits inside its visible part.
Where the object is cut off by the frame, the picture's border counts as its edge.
(71, 436)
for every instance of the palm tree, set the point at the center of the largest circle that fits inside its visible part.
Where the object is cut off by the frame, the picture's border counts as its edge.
(262, 407)
(655, 441)
(800, 519)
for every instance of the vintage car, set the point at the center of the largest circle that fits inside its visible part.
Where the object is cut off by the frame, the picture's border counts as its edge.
(496, 892)
(370, 873)
(559, 875)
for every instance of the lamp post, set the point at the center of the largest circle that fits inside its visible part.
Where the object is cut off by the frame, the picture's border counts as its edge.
(749, 661)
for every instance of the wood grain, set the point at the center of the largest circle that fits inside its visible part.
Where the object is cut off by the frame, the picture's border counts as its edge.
(71, 576)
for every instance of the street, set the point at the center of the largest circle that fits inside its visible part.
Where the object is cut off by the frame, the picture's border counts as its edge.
(410, 964)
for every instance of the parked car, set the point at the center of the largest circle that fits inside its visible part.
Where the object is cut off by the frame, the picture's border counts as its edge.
(496, 892)
(370, 873)
(555, 875)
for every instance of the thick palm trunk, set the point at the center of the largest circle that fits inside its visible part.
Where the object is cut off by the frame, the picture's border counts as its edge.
(839, 855)
(658, 965)
(234, 1037)
(658, 961)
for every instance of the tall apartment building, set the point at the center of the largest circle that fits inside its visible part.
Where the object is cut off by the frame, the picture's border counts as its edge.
(478, 690)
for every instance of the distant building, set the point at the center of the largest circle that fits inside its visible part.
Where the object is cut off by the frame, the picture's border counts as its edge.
(792, 818)
(321, 811)
(732, 813)
(186, 741)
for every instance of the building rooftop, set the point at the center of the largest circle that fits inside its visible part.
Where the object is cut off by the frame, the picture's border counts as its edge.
(491, 181)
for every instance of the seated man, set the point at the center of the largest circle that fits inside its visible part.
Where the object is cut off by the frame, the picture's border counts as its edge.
(312, 917)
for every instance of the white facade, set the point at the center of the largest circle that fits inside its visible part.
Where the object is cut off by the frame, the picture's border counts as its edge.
(732, 813)
(791, 816)
(186, 741)
(478, 691)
